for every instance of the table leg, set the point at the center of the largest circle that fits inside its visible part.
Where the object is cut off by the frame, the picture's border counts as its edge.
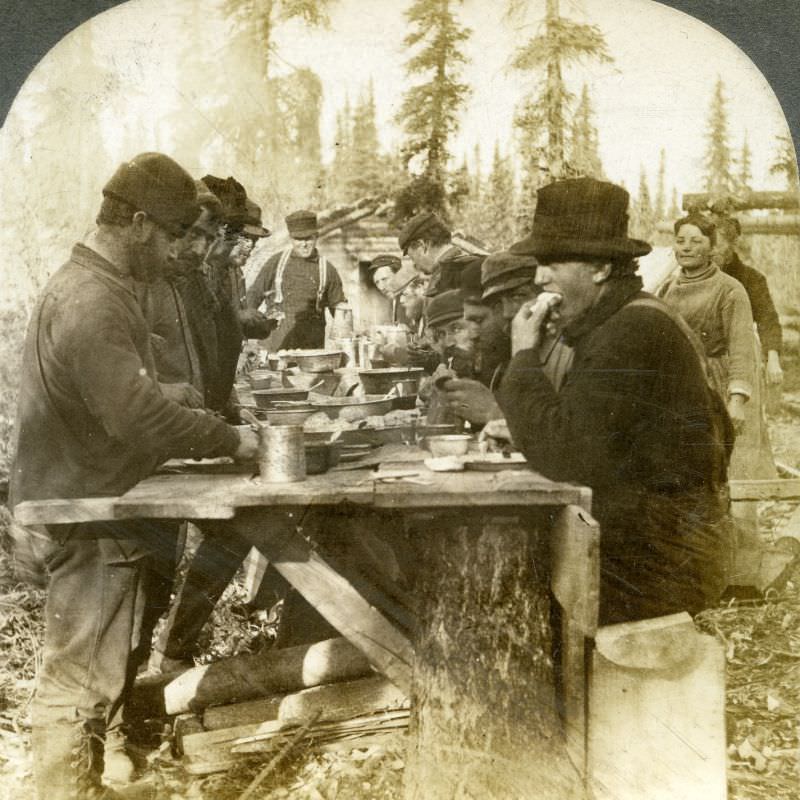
(336, 599)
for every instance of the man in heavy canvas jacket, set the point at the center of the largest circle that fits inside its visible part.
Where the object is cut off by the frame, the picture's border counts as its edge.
(635, 419)
(92, 422)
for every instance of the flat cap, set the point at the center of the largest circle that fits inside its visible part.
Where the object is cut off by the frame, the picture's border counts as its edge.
(302, 224)
(504, 271)
(159, 186)
(444, 308)
(252, 222)
(385, 260)
(422, 226)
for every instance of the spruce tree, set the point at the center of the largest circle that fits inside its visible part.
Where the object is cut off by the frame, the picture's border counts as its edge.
(562, 43)
(584, 155)
(430, 110)
(660, 206)
(674, 212)
(718, 177)
(642, 217)
(499, 205)
(785, 163)
(745, 174)
(365, 177)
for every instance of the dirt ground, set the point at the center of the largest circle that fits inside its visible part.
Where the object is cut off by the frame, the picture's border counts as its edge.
(762, 642)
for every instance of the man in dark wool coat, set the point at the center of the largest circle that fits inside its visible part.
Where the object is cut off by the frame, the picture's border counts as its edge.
(635, 419)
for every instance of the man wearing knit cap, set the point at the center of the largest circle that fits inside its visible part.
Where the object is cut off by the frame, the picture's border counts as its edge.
(92, 422)
(635, 419)
(426, 239)
(297, 285)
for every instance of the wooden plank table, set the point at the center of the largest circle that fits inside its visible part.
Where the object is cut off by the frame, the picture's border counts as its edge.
(475, 509)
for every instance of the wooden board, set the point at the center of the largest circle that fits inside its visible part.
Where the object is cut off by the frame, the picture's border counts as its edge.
(575, 580)
(775, 489)
(387, 648)
(54, 512)
(657, 712)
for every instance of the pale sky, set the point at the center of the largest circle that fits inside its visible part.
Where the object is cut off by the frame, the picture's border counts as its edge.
(656, 93)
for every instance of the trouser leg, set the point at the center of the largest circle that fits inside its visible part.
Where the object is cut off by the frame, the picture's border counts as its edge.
(92, 622)
(214, 565)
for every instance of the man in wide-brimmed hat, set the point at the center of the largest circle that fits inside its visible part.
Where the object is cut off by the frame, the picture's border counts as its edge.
(635, 419)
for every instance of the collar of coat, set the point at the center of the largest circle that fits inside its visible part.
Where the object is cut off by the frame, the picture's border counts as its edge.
(619, 291)
(88, 259)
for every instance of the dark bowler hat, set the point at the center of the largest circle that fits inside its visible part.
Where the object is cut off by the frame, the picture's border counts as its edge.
(444, 308)
(385, 260)
(422, 226)
(159, 186)
(252, 222)
(302, 224)
(504, 271)
(581, 218)
(232, 196)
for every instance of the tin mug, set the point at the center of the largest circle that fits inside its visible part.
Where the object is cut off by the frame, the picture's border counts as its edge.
(282, 455)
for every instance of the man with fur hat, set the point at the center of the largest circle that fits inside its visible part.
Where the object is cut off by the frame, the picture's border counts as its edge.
(92, 422)
(635, 419)
(297, 285)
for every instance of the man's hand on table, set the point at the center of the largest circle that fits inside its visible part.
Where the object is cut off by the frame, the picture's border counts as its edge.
(248, 445)
(184, 394)
(470, 400)
(497, 430)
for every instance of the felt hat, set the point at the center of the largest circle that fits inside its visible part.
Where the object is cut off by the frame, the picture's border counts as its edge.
(207, 199)
(444, 308)
(232, 196)
(252, 222)
(581, 218)
(159, 186)
(504, 271)
(422, 226)
(385, 260)
(471, 279)
(302, 224)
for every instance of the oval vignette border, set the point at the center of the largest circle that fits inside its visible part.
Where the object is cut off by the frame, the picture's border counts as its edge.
(766, 30)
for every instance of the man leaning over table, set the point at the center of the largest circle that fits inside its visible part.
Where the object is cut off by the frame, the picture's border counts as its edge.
(92, 422)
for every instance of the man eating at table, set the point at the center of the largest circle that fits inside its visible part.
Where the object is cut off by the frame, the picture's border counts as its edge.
(635, 418)
(92, 422)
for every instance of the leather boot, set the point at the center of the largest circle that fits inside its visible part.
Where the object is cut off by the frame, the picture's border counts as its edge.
(68, 763)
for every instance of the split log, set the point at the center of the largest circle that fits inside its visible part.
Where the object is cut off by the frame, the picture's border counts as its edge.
(657, 712)
(485, 717)
(748, 200)
(336, 701)
(248, 676)
(374, 703)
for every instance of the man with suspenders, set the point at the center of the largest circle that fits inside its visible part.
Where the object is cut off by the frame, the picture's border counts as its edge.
(297, 285)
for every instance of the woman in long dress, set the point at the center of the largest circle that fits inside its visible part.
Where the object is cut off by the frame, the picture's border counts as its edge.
(715, 305)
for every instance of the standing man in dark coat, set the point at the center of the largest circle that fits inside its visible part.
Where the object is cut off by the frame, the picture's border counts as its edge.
(297, 285)
(92, 422)
(635, 419)
(765, 316)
